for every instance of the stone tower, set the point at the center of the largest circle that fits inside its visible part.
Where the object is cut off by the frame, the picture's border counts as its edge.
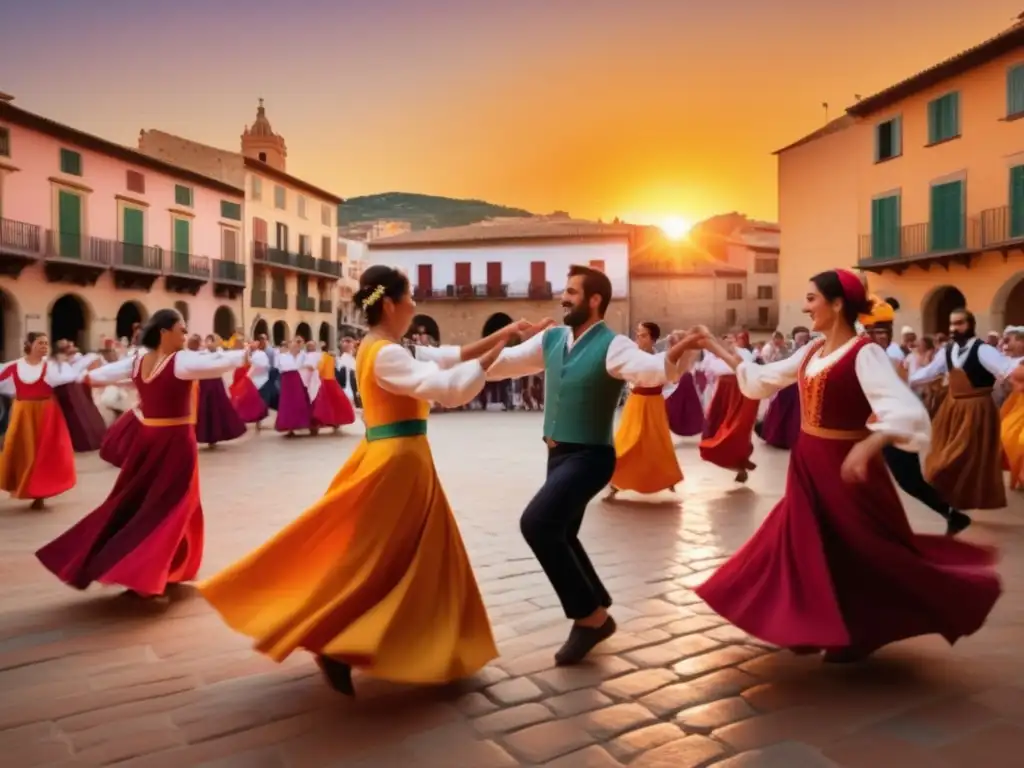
(261, 143)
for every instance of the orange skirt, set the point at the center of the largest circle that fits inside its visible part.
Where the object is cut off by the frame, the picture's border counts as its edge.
(38, 460)
(729, 444)
(645, 459)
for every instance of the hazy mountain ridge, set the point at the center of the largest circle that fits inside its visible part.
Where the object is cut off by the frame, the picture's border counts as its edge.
(422, 211)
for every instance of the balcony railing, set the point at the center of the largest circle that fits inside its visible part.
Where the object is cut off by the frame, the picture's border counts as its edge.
(915, 240)
(72, 246)
(328, 267)
(1001, 226)
(305, 303)
(523, 290)
(278, 300)
(141, 258)
(228, 272)
(259, 298)
(180, 264)
(19, 238)
(326, 305)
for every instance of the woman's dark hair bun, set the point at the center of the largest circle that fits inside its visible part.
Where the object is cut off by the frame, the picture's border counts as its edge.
(375, 284)
(162, 320)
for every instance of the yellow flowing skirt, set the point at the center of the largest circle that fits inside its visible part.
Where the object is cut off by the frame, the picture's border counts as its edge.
(645, 459)
(1012, 432)
(374, 574)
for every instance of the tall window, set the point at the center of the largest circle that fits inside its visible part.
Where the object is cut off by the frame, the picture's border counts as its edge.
(1014, 92)
(888, 139)
(944, 118)
(885, 227)
(280, 197)
(734, 291)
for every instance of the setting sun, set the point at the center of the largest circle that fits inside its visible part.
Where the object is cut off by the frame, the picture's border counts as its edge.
(675, 227)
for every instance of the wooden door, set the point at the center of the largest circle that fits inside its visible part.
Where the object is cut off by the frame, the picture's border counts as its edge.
(538, 273)
(493, 274)
(425, 279)
(463, 274)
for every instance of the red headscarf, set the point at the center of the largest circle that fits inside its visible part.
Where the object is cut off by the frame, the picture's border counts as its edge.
(853, 288)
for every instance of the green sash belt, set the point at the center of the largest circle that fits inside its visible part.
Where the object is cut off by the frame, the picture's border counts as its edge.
(408, 428)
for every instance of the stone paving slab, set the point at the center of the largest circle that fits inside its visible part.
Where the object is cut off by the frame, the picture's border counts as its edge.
(93, 678)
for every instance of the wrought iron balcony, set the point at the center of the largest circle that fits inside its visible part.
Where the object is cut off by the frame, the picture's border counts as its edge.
(326, 305)
(328, 267)
(187, 265)
(305, 303)
(137, 258)
(1002, 227)
(916, 243)
(228, 272)
(258, 298)
(278, 300)
(20, 245)
(72, 246)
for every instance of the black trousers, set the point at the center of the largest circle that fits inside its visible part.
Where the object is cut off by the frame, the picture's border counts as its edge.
(906, 468)
(551, 524)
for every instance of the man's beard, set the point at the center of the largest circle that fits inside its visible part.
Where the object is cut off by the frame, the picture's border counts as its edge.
(962, 337)
(576, 316)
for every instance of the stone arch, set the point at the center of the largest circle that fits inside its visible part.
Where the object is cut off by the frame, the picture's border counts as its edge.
(181, 307)
(70, 318)
(11, 336)
(495, 322)
(224, 322)
(1008, 303)
(429, 326)
(325, 334)
(128, 315)
(937, 306)
(281, 334)
(259, 328)
(303, 330)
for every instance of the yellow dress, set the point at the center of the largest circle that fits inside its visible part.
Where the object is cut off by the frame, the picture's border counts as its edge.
(645, 458)
(375, 573)
(1012, 432)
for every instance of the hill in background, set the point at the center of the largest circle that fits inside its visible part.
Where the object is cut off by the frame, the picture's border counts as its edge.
(422, 211)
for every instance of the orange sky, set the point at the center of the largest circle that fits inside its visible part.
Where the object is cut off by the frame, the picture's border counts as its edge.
(601, 108)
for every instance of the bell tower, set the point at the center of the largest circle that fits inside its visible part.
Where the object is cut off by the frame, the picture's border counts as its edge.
(261, 143)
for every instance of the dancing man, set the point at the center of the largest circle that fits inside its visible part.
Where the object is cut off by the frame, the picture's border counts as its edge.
(585, 364)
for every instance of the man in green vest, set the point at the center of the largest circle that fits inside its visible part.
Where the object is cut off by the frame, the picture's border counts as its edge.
(585, 364)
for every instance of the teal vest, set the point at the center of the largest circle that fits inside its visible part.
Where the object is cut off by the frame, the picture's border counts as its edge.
(579, 396)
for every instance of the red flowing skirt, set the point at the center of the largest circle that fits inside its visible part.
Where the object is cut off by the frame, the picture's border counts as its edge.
(120, 438)
(728, 430)
(38, 460)
(836, 565)
(216, 418)
(149, 531)
(332, 408)
(249, 405)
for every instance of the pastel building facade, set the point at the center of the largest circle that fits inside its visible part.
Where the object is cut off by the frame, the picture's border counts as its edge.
(920, 186)
(469, 281)
(289, 230)
(95, 237)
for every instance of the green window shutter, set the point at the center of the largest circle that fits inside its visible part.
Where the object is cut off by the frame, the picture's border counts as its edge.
(947, 217)
(183, 195)
(953, 114)
(897, 136)
(1017, 201)
(69, 218)
(70, 162)
(133, 227)
(933, 121)
(885, 227)
(1015, 91)
(182, 233)
(5, 142)
(229, 210)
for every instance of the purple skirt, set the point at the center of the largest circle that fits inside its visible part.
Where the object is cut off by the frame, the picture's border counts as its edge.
(685, 412)
(294, 411)
(217, 421)
(781, 426)
(85, 422)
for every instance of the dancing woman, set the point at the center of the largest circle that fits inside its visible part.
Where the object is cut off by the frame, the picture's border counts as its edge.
(148, 533)
(375, 575)
(217, 421)
(38, 459)
(835, 566)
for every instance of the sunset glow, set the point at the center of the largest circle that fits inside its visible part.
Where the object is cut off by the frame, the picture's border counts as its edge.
(675, 227)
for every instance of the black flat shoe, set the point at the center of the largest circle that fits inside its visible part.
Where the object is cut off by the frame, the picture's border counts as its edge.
(956, 522)
(338, 674)
(582, 641)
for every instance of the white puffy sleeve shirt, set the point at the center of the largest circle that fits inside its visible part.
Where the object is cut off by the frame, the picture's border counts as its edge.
(898, 411)
(401, 373)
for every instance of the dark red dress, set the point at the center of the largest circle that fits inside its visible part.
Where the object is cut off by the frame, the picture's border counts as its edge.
(836, 565)
(149, 531)
(729, 428)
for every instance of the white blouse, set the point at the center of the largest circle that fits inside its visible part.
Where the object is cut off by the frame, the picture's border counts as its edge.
(897, 410)
(56, 374)
(287, 362)
(624, 360)
(259, 371)
(994, 361)
(430, 375)
(188, 365)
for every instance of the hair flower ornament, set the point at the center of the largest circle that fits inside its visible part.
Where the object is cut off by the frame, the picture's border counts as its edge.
(374, 297)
